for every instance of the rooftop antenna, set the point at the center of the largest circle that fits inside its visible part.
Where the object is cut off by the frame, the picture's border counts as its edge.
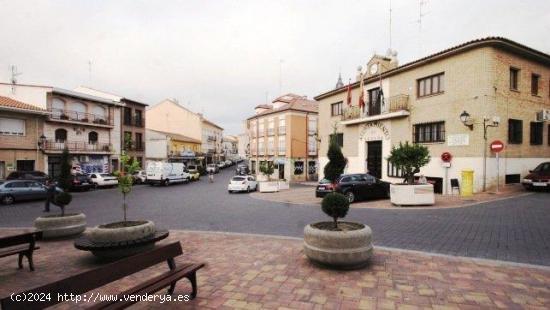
(421, 4)
(14, 74)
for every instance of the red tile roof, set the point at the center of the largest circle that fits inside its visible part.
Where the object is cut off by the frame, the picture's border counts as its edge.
(6, 102)
(291, 102)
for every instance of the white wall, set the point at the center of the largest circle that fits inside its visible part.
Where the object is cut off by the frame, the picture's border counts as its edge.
(32, 95)
(156, 145)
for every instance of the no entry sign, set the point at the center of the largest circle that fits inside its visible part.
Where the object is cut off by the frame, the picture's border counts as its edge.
(497, 146)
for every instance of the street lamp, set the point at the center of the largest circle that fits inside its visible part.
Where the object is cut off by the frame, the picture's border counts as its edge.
(467, 120)
(41, 142)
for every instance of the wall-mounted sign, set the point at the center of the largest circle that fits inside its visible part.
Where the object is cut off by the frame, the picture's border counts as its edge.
(458, 140)
(374, 131)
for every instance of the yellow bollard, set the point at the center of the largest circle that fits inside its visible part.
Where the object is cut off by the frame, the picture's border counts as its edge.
(467, 187)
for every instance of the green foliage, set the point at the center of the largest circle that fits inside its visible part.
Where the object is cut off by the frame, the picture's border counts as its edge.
(336, 206)
(128, 167)
(267, 168)
(64, 178)
(61, 200)
(337, 162)
(409, 158)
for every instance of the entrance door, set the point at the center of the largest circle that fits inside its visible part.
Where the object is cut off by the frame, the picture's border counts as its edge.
(374, 158)
(281, 171)
(25, 165)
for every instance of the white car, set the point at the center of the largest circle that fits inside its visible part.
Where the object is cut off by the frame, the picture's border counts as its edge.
(228, 163)
(103, 179)
(241, 183)
(221, 165)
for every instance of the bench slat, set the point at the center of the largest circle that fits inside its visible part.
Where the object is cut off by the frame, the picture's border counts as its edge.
(20, 239)
(15, 249)
(91, 279)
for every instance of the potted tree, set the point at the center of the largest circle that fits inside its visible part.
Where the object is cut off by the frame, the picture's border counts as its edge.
(61, 225)
(410, 158)
(268, 186)
(124, 231)
(343, 245)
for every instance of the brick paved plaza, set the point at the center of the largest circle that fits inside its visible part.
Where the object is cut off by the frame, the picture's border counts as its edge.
(262, 272)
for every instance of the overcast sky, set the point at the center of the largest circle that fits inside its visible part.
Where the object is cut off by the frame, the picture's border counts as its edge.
(222, 57)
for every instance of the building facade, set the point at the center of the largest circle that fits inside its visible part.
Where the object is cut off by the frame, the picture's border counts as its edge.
(21, 126)
(168, 146)
(243, 145)
(212, 138)
(230, 147)
(493, 83)
(285, 134)
(83, 124)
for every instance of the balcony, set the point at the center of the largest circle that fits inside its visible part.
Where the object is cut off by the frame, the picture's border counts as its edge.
(133, 121)
(270, 131)
(68, 116)
(133, 145)
(282, 130)
(211, 138)
(396, 106)
(76, 147)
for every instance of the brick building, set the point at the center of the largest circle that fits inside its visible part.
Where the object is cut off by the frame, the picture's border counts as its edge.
(492, 80)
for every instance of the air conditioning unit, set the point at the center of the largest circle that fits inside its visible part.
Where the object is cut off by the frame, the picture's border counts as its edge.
(543, 115)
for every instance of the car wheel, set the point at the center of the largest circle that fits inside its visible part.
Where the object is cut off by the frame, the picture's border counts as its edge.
(351, 196)
(230, 192)
(7, 200)
(248, 189)
(166, 182)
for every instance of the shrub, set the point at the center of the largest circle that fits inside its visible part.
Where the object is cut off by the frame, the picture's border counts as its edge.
(125, 179)
(336, 206)
(267, 168)
(61, 200)
(409, 158)
(337, 162)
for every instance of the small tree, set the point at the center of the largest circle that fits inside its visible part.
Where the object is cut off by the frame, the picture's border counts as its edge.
(61, 200)
(267, 168)
(336, 206)
(409, 158)
(64, 178)
(128, 167)
(337, 162)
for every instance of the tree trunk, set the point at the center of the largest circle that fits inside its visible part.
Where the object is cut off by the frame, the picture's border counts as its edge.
(124, 205)
(62, 211)
(335, 222)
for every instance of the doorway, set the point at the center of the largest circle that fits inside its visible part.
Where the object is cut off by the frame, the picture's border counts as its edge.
(374, 158)
(281, 171)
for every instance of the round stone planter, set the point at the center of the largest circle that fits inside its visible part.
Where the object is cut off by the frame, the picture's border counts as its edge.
(57, 226)
(349, 248)
(122, 232)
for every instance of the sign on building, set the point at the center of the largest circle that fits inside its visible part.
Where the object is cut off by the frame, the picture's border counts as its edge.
(458, 140)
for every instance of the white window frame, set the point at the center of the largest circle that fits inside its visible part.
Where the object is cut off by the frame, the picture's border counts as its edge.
(12, 132)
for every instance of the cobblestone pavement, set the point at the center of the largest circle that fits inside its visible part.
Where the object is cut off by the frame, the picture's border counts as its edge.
(515, 229)
(263, 272)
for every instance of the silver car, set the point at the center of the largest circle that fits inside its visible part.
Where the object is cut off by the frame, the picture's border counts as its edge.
(20, 190)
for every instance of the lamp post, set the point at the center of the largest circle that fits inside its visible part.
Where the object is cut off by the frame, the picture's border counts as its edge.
(41, 142)
(487, 122)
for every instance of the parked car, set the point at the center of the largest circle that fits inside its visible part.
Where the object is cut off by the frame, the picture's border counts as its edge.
(221, 165)
(159, 172)
(20, 190)
(242, 170)
(538, 178)
(242, 183)
(324, 187)
(212, 168)
(228, 163)
(103, 179)
(194, 173)
(80, 181)
(361, 186)
(139, 177)
(29, 175)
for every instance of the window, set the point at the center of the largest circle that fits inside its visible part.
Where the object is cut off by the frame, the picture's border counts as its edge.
(514, 75)
(282, 145)
(515, 131)
(270, 145)
(261, 148)
(429, 132)
(336, 109)
(311, 167)
(127, 116)
(12, 127)
(374, 101)
(394, 171)
(92, 137)
(431, 85)
(261, 127)
(270, 126)
(312, 125)
(535, 84)
(60, 135)
(298, 167)
(127, 140)
(282, 125)
(339, 138)
(139, 141)
(138, 120)
(535, 134)
(58, 107)
(311, 145)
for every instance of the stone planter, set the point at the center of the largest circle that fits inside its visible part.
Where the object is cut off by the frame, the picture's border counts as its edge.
(283, 185)
(268, 186)
(56, 226)
(116, 233)
(349, 248)
(410, 195)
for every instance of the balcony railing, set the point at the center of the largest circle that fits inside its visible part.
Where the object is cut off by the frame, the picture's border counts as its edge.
(72, 146)
(133, 146)
(393, 104)
(133, 121)
(82, 117)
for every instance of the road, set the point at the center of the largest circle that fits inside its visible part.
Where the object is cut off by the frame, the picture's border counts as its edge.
(516, 229)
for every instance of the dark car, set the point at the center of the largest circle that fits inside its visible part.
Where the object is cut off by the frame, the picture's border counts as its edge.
(362, 186)
(242, 170)
(28, 175)
(538, 178)
(324, 187)
(80, 182)
(20, 190)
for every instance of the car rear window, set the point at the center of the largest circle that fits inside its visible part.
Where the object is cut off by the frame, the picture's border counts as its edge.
(238, 179)
(105, 175)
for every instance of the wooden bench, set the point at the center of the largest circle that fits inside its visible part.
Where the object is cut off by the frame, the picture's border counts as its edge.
(22, 244)
(95, 278)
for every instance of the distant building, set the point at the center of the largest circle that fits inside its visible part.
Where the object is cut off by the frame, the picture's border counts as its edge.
(243, 145)
(230, 147)
(21, 126)
(169, 146)
(284, 133)
(212, 137)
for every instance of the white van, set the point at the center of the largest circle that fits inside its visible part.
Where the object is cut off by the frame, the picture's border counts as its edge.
(164, 173)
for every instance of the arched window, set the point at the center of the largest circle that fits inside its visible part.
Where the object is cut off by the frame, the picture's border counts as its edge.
(92, 137)
(60, 135)
(58, 107)
(99, 111)
(79, 110)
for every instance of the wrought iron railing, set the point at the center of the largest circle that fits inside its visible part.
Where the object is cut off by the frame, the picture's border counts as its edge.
(83, 117)
(73, 146)
(393, 104)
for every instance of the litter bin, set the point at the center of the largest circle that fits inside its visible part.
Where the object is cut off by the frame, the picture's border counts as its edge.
(467, 187)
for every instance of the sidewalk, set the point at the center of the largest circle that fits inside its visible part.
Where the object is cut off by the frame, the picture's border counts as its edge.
(266, 272)
(304, 194)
